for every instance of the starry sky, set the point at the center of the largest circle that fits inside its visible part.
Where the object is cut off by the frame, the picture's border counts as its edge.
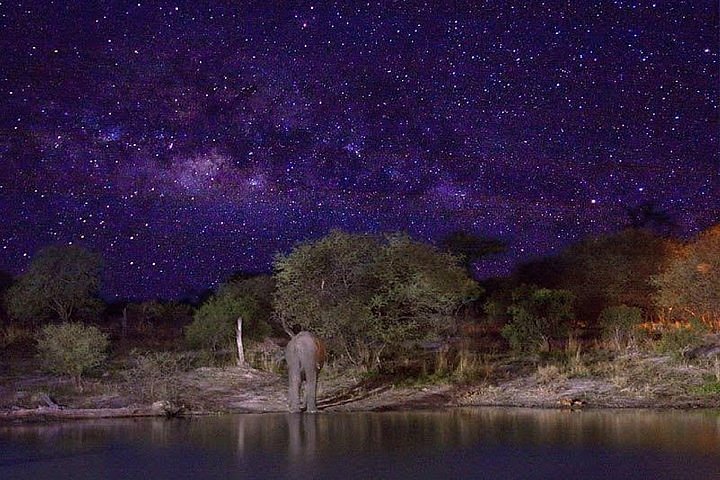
(185, 141)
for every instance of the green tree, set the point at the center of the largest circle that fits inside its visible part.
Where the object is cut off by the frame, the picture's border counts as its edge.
(619, 324)
(417, 291)
(538, 316)
(214, 324)
(71, 349)
(325, 287)
(689, 287)
(260, 289)
(366, 294)
(61, 282)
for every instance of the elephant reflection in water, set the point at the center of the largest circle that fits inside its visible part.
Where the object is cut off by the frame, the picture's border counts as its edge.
(302, 437)
(305, 355)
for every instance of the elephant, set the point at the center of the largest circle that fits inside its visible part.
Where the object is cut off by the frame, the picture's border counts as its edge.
(305, 355)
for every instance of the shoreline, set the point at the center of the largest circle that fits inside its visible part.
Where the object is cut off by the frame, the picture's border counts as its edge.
(649, 381)
(47, 415)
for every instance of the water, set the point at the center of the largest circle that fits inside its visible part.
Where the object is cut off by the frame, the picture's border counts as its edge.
(463, 443)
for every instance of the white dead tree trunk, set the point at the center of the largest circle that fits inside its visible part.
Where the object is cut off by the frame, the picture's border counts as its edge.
(241, 352)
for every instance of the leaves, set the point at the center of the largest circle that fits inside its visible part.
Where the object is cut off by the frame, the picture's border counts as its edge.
(690, 285)
(613, 270)
(214, 323)
(72, 348)
(61, 282)
(362, 292)
(538, 315)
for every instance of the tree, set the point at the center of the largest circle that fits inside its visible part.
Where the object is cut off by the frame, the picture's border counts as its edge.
(325, 287)
(72, 349)
(215, 323)
(539, 316)
(619, 324)
(6, 281)
(650, 216)
(470, 248)
(689, 287)
(366, 294)
(261, 289)
(61, 282)
(418, 289)
(613, 270)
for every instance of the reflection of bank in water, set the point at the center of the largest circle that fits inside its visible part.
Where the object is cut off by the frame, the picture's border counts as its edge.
(453, 443)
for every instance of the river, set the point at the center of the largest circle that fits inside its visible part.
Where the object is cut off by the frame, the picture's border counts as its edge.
(493, 443)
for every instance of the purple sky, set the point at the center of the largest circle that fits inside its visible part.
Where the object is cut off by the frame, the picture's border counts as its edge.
(187, 140)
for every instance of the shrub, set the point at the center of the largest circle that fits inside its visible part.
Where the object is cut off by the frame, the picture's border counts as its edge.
(689, 287)
(539, 315)
(61, 282)
(215, 322)
(677, 339)
(153, 375)
(72, 349)
(710, 387)
(14, 335)
(613, 270)
(210, 332)
(619, 324)
(370, 295)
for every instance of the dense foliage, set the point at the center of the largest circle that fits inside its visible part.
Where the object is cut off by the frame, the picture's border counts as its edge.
(71, 348)
(366, 294)
(214, 325)
(538, 317)
(613, 270)
(619, 324)
(61, 283)
(690, 285)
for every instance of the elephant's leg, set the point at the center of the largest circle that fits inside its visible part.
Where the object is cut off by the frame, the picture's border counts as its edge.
(311, 388)
(303, 389)
(294, 385)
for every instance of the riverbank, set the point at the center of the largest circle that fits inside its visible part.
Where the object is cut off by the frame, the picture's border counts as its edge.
(625, 381)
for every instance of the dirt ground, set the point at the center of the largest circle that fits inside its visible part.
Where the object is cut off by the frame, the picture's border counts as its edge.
(626, 382)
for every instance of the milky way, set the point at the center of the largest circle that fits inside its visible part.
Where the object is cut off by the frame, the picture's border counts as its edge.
(185, 141)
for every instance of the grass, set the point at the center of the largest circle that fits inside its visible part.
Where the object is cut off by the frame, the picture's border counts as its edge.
(710, 387)
(13, 334)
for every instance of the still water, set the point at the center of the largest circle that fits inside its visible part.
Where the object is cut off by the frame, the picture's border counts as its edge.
(464, 443)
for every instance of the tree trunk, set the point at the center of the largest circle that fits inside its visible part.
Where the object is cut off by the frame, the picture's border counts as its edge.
(241, 352)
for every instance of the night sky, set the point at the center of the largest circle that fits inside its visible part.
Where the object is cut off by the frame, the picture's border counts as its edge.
(185, 141)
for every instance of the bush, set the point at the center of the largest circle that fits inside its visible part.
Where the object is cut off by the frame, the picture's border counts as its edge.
(72, 349)
(61, 282)
(689, 287)
(612, 270)
(209, 332)
(154, 375)
(214, 326)
(12, 335)
(370, 295)
(677, 339)
(539, 315)
(619, 324)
